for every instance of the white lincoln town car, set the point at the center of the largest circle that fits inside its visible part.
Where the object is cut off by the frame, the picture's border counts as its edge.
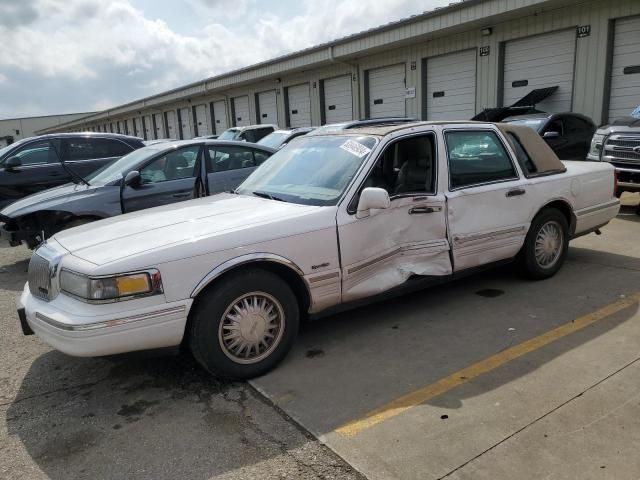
(329, 220)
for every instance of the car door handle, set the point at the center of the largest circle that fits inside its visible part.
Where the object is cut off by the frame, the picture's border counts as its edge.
(181, 195)
(515, 192)
(422, 210)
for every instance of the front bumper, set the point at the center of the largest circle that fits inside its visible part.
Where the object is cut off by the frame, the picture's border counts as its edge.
(84, 330)
(628, 179)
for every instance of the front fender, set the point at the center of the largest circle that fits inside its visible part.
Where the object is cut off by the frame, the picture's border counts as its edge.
(244, 260)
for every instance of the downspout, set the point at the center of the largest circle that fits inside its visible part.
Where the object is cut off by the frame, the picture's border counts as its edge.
(333, 59)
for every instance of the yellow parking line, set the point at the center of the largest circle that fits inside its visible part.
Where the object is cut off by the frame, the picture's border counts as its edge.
(400, 405)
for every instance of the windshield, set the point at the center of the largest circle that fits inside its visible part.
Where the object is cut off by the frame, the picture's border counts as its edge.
(229, 134)
(310, 171)
(533, 123)
(116, 170)
(274, 139)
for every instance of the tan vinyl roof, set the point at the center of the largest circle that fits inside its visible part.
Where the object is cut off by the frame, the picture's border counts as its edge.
(541, 154)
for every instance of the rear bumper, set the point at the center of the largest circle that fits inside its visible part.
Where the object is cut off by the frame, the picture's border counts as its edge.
(84, 332)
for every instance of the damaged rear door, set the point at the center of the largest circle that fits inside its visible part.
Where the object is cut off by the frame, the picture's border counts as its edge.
(386, 248)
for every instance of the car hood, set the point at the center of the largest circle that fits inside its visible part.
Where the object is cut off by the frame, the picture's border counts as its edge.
(49, 199)
(187, 228)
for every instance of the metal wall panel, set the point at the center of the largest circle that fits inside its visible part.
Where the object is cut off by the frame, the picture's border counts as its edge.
(450, 86)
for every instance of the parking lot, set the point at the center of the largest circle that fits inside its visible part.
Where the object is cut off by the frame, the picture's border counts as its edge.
(491, 377)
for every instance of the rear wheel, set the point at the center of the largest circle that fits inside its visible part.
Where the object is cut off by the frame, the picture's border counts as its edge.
(245, 325)
(546, 245)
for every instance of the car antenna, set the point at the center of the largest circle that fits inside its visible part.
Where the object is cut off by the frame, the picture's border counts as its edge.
(66, 167)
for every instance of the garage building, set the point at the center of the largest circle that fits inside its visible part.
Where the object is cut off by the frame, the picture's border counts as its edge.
(446, 64)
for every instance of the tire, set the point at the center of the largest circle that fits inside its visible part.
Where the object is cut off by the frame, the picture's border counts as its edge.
(551, 255)
(216, 325)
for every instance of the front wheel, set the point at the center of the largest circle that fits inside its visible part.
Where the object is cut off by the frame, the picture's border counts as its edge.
(244, 326)
(546, 245)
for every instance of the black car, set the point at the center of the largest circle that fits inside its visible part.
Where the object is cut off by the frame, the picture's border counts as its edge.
(34, 164)
(160, 174)
(568, 134)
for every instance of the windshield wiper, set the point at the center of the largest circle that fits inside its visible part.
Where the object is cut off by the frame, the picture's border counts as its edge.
(267, 195)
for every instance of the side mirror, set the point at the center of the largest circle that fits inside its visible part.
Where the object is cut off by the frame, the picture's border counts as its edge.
(12, 162)
(551, 135)
(132, 179)
(372, 198)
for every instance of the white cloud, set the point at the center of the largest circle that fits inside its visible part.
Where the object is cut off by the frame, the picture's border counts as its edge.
(116, 47)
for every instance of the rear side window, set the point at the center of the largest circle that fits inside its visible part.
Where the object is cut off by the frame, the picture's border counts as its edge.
(222, 159)
(527, 165)
(477, 157)
(90, 148)
(260, 156)
(111, 148)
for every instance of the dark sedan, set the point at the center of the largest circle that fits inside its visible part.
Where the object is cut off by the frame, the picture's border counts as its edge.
(156, 175)
(35, 164)
(568, 134)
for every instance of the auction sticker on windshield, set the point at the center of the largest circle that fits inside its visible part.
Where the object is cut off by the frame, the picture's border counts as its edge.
(355, 148)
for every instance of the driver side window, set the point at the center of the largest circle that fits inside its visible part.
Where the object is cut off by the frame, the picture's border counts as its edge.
(34, 153)
(406, 166)
(174, 165)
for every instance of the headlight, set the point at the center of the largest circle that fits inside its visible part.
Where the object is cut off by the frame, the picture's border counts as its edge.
(596, 147)
(110, 288)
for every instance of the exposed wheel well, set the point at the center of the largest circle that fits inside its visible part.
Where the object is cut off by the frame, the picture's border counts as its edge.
(292, 278)
(566, 210)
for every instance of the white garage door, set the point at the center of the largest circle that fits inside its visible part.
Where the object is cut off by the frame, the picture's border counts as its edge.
(202, 120)
(451, 86)
(267, 107)
(185, 123)
(158, 124)
(338, 100)
(241, 111)
(172, 125)
(537, 62)
(625, 68)
(137, 123)
(148, 127)
(299, 106)
(387, 90)
(220, 116)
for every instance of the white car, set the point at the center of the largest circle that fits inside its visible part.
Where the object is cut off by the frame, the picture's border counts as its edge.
(329, 220)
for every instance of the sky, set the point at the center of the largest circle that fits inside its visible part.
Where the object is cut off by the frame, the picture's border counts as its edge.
(64, 56)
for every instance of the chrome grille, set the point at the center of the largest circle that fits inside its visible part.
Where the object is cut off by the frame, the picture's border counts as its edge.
(39, 277)
(622, 148)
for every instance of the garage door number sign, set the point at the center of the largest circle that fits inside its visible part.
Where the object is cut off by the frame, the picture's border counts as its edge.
(583, 31)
